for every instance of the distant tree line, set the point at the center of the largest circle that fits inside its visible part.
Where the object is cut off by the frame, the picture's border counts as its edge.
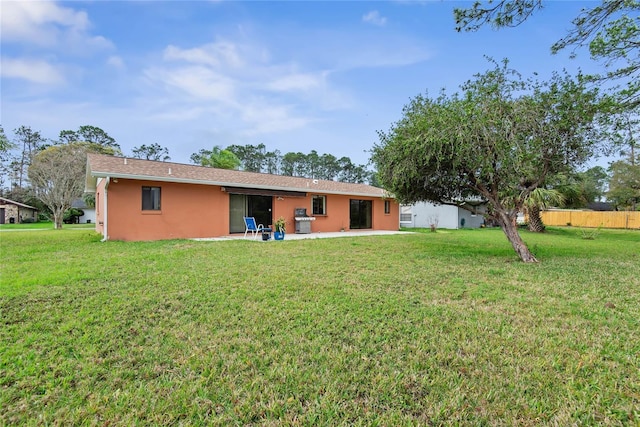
(29, 162)
(256, 158)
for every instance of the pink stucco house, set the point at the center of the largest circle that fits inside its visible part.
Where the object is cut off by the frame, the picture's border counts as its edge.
(148, 200)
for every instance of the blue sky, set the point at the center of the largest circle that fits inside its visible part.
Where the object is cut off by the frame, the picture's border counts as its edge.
(295, 76)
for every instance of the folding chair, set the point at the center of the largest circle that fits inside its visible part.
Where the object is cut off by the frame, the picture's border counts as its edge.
(255, 229)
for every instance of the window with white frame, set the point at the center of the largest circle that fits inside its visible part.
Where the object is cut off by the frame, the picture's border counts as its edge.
(319, 205)
(406, 214)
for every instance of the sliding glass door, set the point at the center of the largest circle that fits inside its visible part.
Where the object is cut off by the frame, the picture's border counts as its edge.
(360, 214)
(241, 205)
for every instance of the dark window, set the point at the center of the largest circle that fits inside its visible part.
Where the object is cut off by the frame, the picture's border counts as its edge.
(319, 205)
(150, 198)
(387, 206)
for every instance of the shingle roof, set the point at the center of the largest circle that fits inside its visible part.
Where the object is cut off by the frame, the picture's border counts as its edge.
(4, 200)
(99, 165)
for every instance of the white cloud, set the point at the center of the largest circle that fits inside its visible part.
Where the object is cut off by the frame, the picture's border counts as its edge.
(244, 87)
(47, 24)
(217, 55)
(116, 62)
(39, 22)
(34, 71)
(264, 118)
(374, 18)
(198, 82)
(297, 82)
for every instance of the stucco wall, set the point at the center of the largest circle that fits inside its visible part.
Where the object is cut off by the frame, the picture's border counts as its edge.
(89, 216)
(470, 220)
(187, 211)
(192, 211)
(424, 214)
(446, 216)
(337, 212)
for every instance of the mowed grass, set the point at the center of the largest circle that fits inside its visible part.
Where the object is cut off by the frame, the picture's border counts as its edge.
(43, 225)
(423, 329)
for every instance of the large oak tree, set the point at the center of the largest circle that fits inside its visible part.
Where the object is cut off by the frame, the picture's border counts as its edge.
(57, 174)
(498, 140)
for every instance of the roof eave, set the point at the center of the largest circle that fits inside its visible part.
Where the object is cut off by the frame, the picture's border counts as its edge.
(96, 174)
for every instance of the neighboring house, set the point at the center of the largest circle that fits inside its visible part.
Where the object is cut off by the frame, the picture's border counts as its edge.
(423, 215)
(15, 212)
(89, 212)
(148, 200)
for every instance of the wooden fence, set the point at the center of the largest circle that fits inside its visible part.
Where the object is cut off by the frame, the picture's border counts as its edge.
(627, 219)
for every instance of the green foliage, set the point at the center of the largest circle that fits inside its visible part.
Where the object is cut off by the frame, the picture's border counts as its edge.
(281, 225)
(499, 140)
(71, 216)
(255, 158)
(149, 333)
(624, 185)
(539, 199)
(502, 13)
(89, 199)
(216, 158)
(610, 30)
(151, 152)
(492, 141)
(591, 233)
(5, 144)
(579, 189)
(612, 33)
(90, 135)
(29, 143)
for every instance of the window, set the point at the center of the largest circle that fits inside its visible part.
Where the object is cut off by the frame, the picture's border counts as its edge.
(406, 215)
(150, 198)
(319, 204)
(387, 207)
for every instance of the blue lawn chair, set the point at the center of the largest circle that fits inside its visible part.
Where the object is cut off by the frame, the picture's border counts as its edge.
(255, 229)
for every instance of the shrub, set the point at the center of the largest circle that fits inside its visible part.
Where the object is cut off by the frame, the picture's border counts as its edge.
(72, 215)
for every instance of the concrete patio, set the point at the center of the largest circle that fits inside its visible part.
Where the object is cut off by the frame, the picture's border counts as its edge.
(294, 236)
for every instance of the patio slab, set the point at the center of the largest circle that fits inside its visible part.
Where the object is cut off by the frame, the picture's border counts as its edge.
(318, 235)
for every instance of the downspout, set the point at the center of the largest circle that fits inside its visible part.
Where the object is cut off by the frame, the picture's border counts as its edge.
(105, 235)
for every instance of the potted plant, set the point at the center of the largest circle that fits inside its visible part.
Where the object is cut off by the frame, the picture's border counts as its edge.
(280, 228)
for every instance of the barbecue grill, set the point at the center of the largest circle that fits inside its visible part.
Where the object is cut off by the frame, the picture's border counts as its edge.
(303, 221)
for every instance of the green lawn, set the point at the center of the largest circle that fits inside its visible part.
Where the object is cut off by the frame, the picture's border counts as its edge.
(425, 329)
(44, 225)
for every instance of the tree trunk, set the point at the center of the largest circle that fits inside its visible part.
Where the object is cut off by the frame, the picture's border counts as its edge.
(510, 229)
(535, 220)
(57, 218)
